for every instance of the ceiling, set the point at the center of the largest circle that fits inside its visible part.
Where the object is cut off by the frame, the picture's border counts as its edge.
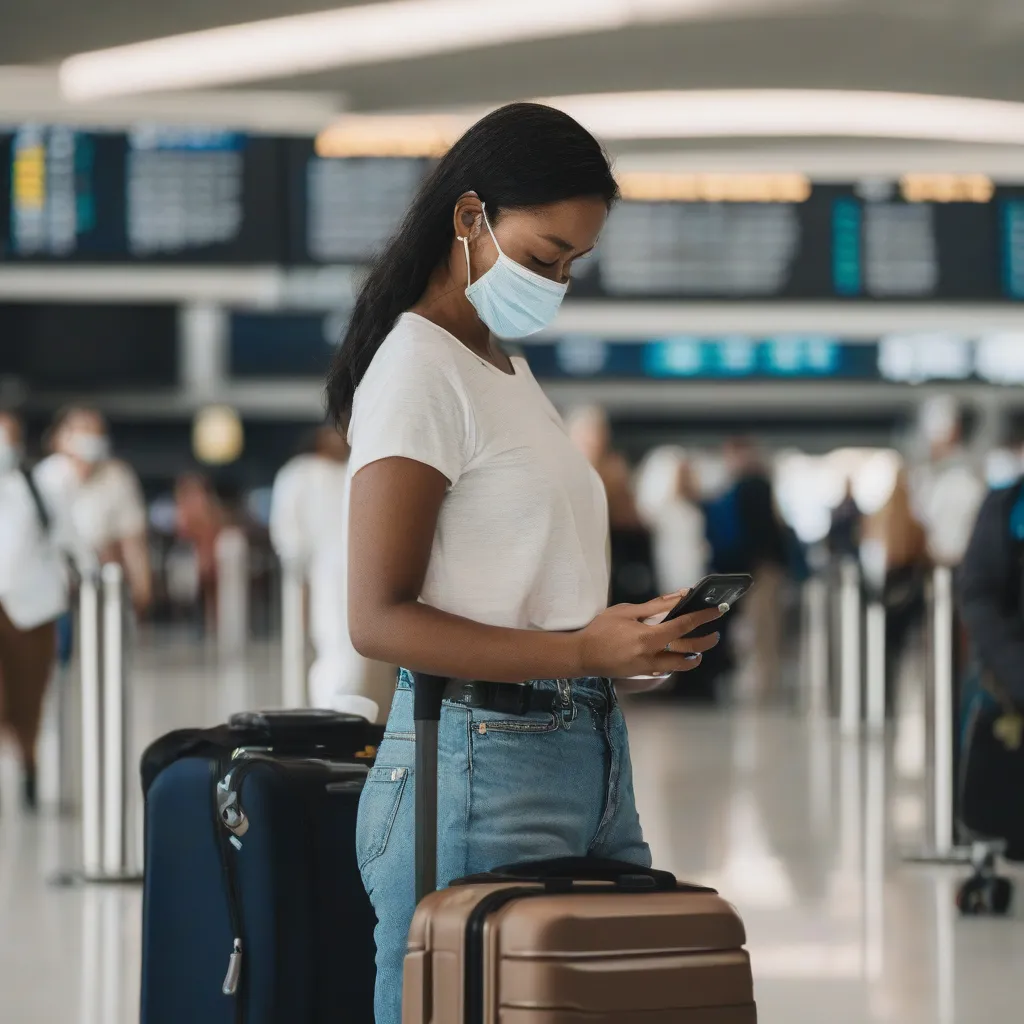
(954, 47)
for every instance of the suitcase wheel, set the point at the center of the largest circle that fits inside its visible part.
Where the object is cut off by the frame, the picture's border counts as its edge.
(982, 895)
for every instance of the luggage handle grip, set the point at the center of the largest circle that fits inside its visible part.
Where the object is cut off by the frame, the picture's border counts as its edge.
(563, 872)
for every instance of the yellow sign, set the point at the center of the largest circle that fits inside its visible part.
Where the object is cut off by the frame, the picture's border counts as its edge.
(28, 185)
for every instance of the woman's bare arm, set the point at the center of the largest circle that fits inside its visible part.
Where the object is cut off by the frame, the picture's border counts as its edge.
(393, 511)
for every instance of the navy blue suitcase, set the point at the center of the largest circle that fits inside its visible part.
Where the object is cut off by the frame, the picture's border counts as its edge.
(253, 909)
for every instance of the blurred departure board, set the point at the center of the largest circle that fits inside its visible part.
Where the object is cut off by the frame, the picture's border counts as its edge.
(893, 359)
(280, 344)
(153, 194)
(345, 209)
(78, 348)
(789, 357)
(874, 240)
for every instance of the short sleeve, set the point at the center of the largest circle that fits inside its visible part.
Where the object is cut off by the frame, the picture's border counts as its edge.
(411, 404)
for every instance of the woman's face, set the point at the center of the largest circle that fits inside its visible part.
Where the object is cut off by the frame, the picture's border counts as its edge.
(545, 239)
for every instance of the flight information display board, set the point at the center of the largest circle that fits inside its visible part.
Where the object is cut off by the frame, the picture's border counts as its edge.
(88, 347)
(152, 194)
(344, 209)
(893, 359)
(840, 242)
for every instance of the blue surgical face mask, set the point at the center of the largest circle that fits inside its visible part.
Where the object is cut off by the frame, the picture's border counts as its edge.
(510, 299)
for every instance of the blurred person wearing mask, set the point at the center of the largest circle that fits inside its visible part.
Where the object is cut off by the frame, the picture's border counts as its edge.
(309, 531)
(36, 532)
(747, 536)
(666, 498)
(631, 557)
(946, 490)
(105, 497)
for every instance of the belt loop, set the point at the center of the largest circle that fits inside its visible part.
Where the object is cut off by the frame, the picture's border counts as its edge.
(610, 694)
(568, 705)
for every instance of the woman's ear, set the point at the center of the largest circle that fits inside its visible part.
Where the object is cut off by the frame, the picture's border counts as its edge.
(469, 216)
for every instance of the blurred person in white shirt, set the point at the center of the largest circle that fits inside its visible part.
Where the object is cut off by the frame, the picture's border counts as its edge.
(37, 535)
(666, 501)
(946, 489)
(309, 531)
(104, 495)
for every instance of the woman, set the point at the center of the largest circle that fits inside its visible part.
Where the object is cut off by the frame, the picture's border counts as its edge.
(478, 532)
(901, 545)
(35, 534)
(104, 495)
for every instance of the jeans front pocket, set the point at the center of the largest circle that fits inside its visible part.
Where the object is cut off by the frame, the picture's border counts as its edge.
(532, 723)
(378, 808)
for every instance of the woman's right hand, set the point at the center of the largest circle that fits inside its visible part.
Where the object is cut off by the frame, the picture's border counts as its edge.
(618, 643)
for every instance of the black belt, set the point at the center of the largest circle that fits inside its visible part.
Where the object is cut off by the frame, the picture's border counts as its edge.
(508, 698)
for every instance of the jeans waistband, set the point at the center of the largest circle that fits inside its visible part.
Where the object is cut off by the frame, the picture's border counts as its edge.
(588, 689)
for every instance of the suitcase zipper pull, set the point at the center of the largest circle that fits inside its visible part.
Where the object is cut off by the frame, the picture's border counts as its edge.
(230, 986)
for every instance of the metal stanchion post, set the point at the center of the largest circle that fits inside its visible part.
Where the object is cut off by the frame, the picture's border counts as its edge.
(103, 698)
(293, 637)
(89, 647)
(940, 720)
(232, 592)
(815, 645)
(849, 648)
(875, 651)
(114, 790)
(942, 647)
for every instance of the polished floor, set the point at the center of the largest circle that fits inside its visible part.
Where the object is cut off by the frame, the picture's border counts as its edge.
(801, 830)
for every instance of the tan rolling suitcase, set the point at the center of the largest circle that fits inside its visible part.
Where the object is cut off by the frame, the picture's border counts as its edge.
(572, 941)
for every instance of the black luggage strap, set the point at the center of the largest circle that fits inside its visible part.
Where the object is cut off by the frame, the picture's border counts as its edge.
(42, 511)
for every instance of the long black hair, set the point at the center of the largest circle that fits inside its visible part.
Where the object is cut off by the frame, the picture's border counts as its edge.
(519, 156)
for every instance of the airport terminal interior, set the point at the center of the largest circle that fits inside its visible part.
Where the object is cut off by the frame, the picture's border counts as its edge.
(796, 351)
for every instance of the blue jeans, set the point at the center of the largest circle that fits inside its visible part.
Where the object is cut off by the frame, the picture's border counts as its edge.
(511, 789)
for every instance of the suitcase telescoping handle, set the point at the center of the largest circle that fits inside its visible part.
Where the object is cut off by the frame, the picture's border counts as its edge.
(428, 695)
(562, 872)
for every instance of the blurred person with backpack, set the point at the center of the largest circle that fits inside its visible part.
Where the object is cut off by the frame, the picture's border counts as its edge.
(309, 532)
(36, 535)
(990, 601)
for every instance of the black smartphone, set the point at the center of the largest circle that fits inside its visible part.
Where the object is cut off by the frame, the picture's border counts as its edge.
(718, 589)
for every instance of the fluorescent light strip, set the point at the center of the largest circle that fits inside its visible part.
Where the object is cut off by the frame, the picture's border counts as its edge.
(390, 31)
(796, 112)
(743, 113)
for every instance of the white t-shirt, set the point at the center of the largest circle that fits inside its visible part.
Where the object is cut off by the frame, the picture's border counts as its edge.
(33, 577)
(106, 507)
(522, 532)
